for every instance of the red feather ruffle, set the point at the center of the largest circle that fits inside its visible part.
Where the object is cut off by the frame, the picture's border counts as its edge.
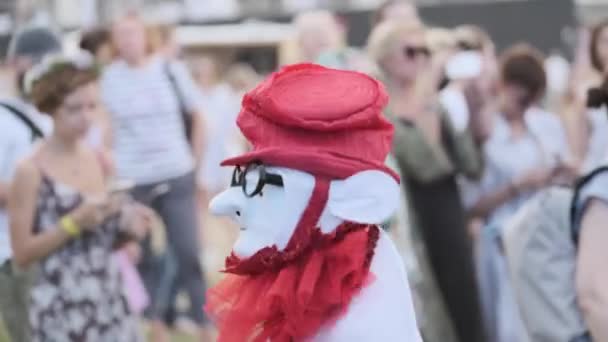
(295, 297)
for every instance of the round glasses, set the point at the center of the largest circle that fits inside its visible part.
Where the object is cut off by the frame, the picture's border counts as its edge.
(253, 179)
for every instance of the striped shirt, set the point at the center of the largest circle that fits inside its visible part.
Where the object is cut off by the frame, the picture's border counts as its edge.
(149, 141)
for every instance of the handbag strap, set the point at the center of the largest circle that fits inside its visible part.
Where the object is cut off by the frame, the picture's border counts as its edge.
(34, 129)
(180, 99)
(175, 87)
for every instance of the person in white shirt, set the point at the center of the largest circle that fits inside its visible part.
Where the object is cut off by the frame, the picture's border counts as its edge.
(519, 161)
(147, 98)
(16, 141)
(222, 105)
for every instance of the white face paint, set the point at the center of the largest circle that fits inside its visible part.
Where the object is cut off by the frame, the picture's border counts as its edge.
(270, 219)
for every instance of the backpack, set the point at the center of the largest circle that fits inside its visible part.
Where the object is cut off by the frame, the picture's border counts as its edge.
(541, 258)
(34, 129)
(578, 186)
(541, 249)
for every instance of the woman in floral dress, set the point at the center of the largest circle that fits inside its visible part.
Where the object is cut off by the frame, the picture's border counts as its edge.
(64, 221)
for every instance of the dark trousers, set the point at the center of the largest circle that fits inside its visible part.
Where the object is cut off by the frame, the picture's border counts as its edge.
(441, 219)
(179, 268)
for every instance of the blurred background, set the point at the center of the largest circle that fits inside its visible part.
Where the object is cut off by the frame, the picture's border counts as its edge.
(227, 26)
(461, 62)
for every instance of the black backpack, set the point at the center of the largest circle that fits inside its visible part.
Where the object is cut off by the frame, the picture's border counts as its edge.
(578, 186)
(34, 129)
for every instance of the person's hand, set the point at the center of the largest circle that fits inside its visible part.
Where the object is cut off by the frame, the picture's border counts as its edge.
(475, 227)
(473, 94)
(567, 171)
(93, 211)
(534, 179)
(133, 251)
(138, 219)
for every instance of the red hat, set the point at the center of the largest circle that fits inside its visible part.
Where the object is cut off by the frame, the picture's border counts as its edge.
(326, 122)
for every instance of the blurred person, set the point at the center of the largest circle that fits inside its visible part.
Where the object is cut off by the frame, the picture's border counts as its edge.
(317, 32)
(323, 40)
(555, 247)
(147, 96)
(98, 43)
(241, 78)
(221, 107)
(467, 89)
(558, 75)
(440, 39)
(587, 130)
(22, 125)
(430, 154)
(404, 11)
(590, 211)
(65, 220)
(518, 163)
(161, 40)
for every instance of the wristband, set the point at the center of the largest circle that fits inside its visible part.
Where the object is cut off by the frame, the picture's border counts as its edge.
(68, 225)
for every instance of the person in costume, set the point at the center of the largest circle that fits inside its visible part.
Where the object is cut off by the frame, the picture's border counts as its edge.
(311, 263)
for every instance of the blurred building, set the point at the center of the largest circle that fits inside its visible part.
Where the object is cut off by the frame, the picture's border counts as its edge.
(76, 13)
(559, 17)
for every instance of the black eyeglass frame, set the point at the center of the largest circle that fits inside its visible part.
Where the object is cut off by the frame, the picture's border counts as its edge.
(412, 52)
(467, 46)
(239, 178)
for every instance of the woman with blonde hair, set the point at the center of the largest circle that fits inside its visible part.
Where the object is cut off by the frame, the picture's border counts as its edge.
(430, 154)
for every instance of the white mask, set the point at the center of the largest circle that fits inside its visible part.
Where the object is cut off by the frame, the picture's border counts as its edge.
(270, 219)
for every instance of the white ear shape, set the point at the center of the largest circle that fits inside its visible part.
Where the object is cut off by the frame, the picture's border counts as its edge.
(369, 197)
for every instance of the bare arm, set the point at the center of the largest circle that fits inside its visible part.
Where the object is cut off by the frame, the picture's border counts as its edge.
(488, 203)
(576, 127)
(592, 274)
(3, 194)
(530, 181)
(27, 246)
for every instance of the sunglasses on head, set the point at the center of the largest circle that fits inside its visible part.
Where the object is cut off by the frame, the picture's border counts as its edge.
(258, 178)
(412, 52)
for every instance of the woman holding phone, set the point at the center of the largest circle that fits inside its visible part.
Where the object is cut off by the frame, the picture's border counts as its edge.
(66, 219)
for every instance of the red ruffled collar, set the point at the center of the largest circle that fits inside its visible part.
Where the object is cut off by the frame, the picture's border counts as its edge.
(289, 295)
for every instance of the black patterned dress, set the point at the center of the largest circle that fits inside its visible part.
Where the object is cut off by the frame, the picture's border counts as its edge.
(78, 293)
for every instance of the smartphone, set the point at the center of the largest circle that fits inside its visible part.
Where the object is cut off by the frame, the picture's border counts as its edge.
(121, 187)
(157, 191)
(464, 65)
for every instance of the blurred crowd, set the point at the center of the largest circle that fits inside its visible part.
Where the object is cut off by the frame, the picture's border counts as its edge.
(502, 156)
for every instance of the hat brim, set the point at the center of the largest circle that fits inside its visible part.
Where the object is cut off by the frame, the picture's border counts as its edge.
(318, 163)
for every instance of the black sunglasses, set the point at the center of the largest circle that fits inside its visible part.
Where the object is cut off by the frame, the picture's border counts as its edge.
(466, 46)
(254, 187)
(412, 52)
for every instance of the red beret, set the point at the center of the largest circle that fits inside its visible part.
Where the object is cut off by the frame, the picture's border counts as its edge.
(326, 122)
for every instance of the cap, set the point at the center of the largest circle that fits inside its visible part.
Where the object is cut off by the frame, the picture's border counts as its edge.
(33, 42)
